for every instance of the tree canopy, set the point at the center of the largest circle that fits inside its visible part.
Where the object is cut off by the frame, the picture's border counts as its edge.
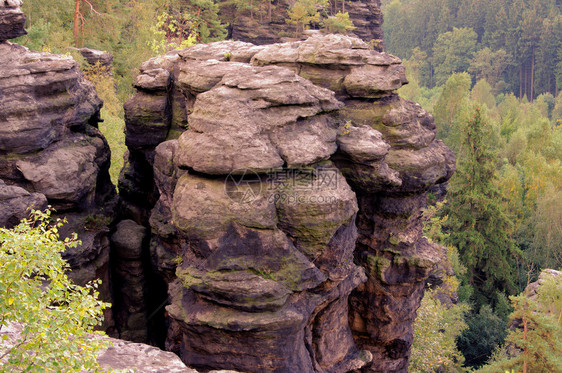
(57, 315)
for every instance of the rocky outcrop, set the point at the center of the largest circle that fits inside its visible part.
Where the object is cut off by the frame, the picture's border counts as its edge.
(283, 187)
(532, 290)
(15, 201)
(12, 19)
(267, 26)
(121, 355)
(51, 152)
(94, 56)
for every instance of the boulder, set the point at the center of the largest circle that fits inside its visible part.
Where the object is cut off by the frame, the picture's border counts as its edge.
(12, 19)
(16, 202)
(340, 63)
(120, 355)
(94, 56)
(249, 122)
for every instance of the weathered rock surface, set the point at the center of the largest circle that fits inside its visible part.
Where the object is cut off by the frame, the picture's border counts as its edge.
(95, 56)
(347, 66)
(51, 152)
(140, 358)
(44, 98)
(121, 355)
(12, 19)
(532, 290)
(15, 202)
(283, 187)
(128, 242)
(260, 28)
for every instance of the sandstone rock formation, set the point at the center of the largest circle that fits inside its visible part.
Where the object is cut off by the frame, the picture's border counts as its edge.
(121, 355)
(261, 29)
(283, 188)
(12, 19)
(532, 290)
(94, 56)
(51, 152)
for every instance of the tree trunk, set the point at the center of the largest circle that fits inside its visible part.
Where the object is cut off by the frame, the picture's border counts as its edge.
(76, 23)
(431, 76)
(269, 6)
(533, 75)
(525, 350)
(520, 82)
(525, 88)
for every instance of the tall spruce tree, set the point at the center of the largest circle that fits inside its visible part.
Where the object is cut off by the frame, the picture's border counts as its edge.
(477, 225)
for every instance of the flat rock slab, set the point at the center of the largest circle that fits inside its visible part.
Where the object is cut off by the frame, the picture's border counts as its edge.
(12, 19)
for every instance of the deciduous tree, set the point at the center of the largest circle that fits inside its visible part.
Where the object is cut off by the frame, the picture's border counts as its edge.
(56, 314)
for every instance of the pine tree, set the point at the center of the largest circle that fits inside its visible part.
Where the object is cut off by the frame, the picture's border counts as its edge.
(477, 224)
(535, 344)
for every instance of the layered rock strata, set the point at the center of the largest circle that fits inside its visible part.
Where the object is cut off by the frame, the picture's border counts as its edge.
(259, 28)
(283, 187)
(51, 152)
(12, 19)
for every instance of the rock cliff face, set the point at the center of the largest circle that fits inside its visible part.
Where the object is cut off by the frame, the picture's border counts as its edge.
(282, 186)
(260, 28)
(51, 152)
(12, 19)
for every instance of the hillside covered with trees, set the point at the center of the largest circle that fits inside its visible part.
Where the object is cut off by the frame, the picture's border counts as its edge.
(490, 72)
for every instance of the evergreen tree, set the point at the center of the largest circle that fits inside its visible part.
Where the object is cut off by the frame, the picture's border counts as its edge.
(477, 224)
(535, 341)
(485, 333)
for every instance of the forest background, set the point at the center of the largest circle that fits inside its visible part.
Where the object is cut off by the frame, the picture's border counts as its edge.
(491, 74)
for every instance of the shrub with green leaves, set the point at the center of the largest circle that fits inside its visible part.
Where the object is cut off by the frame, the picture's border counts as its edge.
(435, 330)
(57, 316)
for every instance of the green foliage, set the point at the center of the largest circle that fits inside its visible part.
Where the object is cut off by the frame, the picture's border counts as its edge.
(183, 23)
(453, 97)
(57, 315)
(536, 343)
(478, 225)
(518, 43)
(490, 66)
(305, 12)
(486, 331)
(482, 94)
(339, 23)
(438, 325)
(173, 33)
(435, 330)
(452, 52)
(112, 112)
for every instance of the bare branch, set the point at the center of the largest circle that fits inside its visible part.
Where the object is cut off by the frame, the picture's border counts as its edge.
(92, 7)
